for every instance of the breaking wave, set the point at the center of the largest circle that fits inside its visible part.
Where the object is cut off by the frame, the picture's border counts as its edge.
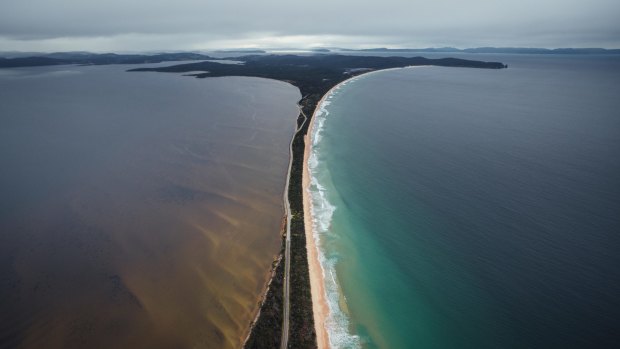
(337, 323)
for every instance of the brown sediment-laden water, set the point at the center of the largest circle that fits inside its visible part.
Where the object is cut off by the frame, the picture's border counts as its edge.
(137, 210)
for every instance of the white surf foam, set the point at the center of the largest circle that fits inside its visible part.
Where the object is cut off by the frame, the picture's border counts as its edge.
(337, 323)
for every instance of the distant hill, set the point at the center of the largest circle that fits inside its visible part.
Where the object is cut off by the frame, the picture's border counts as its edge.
(86, 58)
(515, 50)
(331, 60)
(241, 50)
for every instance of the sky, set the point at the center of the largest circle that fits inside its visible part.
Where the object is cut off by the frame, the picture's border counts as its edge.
(168, 25)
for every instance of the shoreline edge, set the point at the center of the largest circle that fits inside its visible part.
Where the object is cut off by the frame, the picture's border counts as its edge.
(320, 307)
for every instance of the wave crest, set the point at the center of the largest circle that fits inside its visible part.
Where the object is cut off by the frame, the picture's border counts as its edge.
(337, 323)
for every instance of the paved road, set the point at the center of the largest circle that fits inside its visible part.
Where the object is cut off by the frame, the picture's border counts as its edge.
(287, 249)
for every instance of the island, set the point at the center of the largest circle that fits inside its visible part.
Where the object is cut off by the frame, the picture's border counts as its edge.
(315, 76)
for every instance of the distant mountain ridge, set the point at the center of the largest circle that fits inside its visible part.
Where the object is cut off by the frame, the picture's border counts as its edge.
(86, 58)
(31, 59)
(515, 50)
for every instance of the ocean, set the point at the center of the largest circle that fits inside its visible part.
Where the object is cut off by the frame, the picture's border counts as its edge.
(137, 210)
(469, 208)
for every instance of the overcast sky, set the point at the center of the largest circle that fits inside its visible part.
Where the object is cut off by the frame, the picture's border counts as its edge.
(145, 25)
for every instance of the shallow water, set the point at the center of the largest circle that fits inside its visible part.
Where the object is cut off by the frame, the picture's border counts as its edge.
(466, 208)
(137, 209)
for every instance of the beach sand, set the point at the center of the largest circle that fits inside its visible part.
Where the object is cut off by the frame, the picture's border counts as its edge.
(320, 308)
(319, 301)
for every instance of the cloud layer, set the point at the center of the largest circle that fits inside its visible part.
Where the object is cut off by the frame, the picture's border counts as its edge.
(203, 24)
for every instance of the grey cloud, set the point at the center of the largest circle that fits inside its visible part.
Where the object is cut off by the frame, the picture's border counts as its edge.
(198, 22)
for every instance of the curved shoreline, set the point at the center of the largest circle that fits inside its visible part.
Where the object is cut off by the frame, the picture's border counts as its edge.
(320, 309)
(320, 305)
(308, 288)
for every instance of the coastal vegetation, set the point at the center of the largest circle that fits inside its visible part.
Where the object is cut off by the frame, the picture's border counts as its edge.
(266, 331)
(86, 58)
(302, 320)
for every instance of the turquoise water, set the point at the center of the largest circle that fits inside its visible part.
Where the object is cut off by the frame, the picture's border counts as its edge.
(465, 208)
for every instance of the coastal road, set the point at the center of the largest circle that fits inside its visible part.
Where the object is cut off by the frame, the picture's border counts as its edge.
(287, 248)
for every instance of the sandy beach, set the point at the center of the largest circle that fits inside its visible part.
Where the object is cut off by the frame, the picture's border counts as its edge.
(320, 307)
(319, 301)
(317, 285)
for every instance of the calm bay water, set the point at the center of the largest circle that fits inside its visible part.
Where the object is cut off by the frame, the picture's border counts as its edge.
(137, 210)
(466, 208)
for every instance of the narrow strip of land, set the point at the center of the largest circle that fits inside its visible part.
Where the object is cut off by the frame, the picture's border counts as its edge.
(287, 254)
(287, 249)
